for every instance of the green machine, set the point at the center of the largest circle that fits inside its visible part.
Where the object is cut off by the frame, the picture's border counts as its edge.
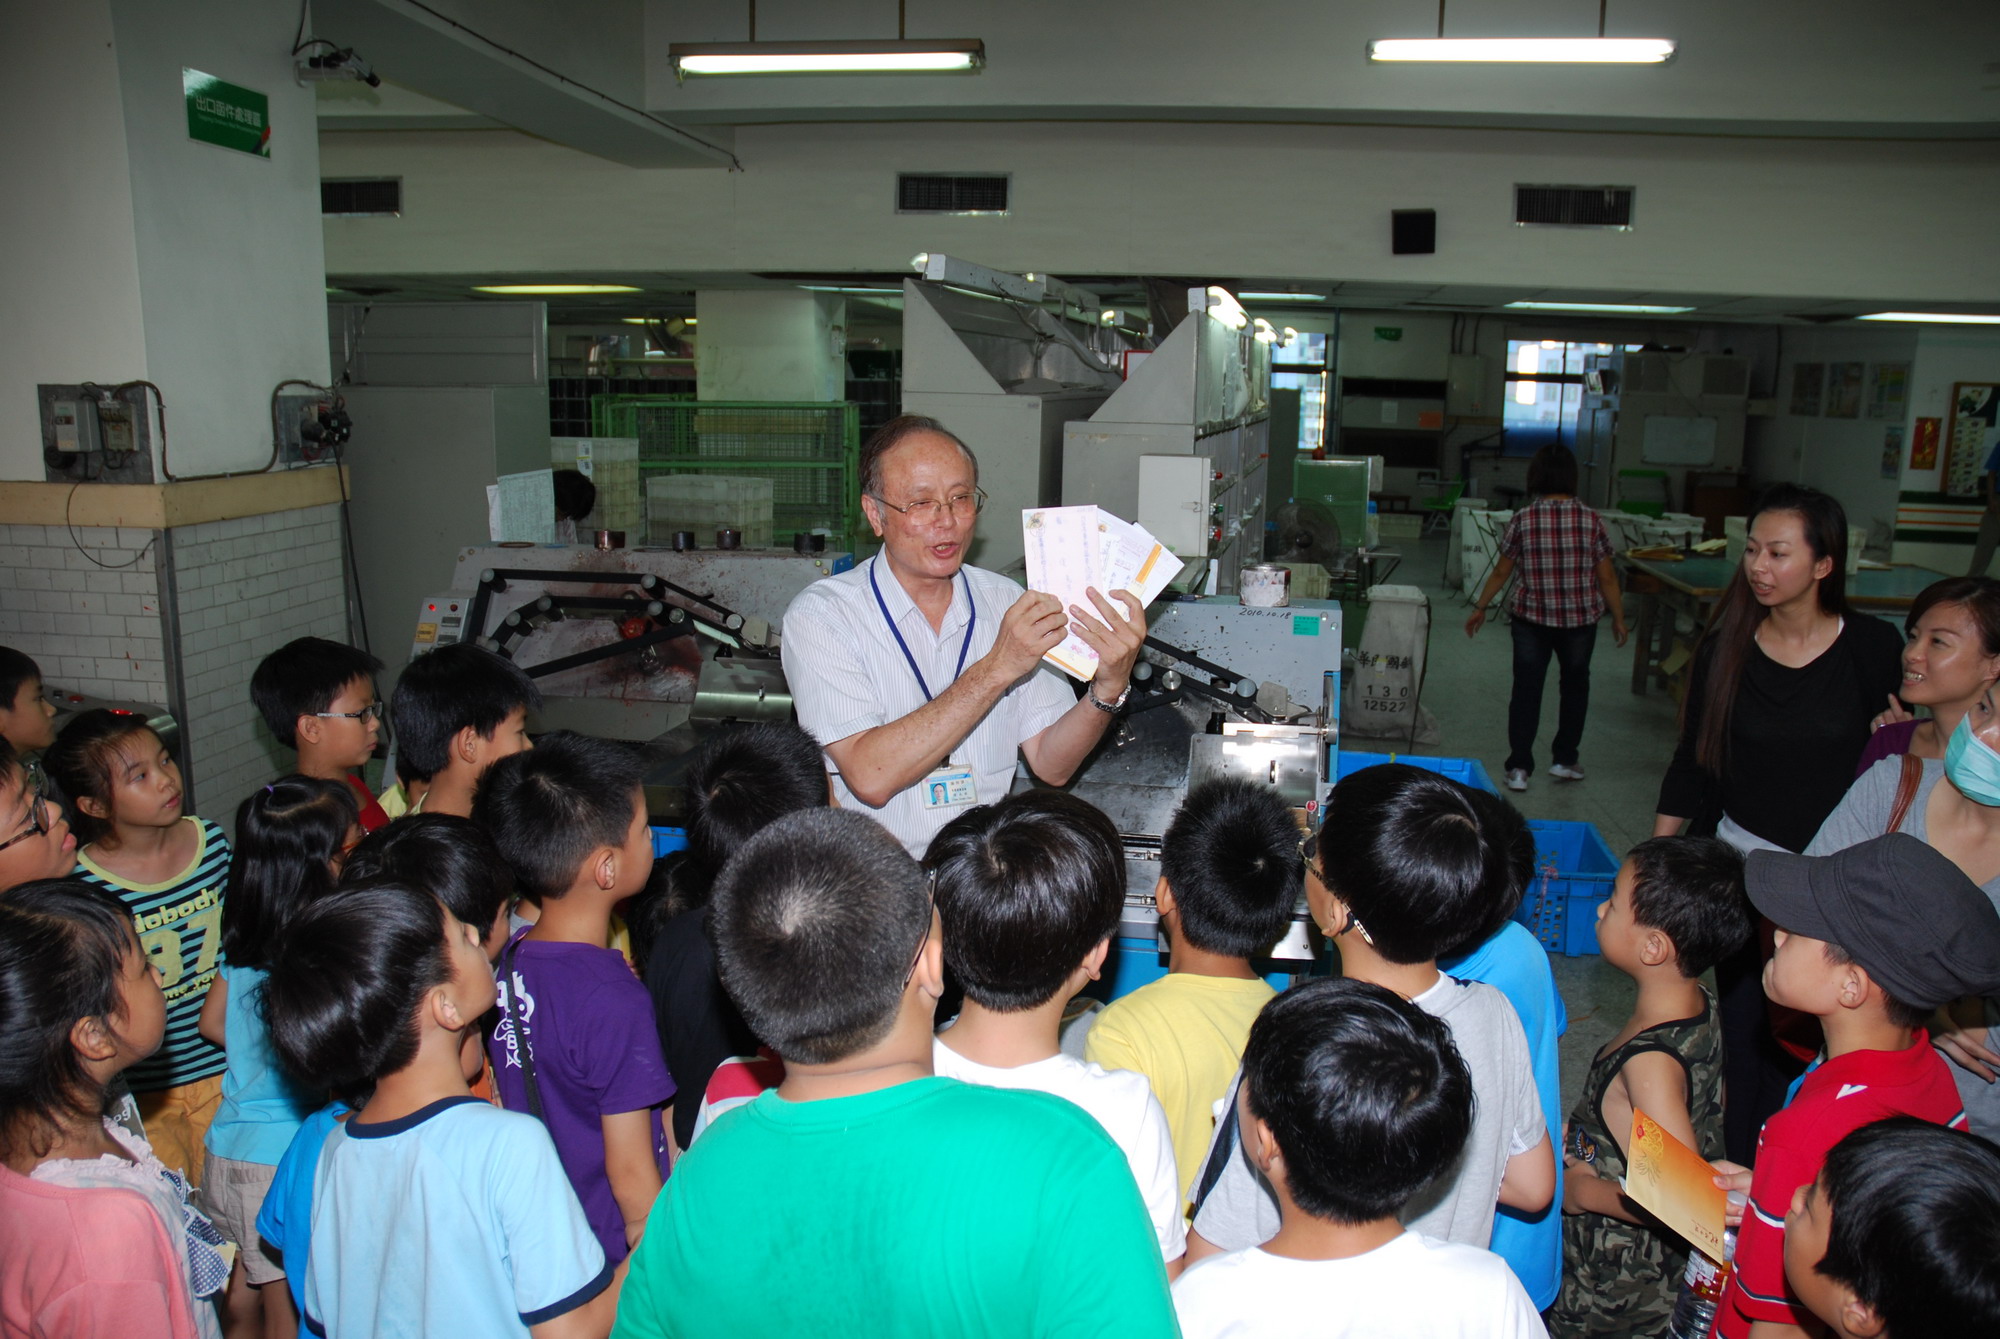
(1339, 486)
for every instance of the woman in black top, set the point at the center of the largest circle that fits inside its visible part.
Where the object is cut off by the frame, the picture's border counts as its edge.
(1784, 683)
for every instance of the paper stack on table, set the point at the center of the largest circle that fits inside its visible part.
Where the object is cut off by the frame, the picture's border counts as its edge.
(1072, 548)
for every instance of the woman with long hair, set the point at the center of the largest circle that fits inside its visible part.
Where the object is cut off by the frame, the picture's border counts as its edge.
(1567, 583)
(1784, 683)
(1951, 656)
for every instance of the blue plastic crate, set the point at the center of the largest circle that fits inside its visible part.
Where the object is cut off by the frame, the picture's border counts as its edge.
(669, 839)
(1574, 871)
(1466, 771)
(1133, 963)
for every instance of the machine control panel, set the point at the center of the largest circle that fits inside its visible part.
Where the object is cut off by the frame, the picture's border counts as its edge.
(440, 621)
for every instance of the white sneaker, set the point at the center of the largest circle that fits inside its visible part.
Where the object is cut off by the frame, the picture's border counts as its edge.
(1566, 771)
(1517, 778)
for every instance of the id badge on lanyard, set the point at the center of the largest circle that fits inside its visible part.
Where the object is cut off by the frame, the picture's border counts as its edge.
(949, 786)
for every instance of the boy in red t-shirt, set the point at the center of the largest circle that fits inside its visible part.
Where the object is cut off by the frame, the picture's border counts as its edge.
(1872, 940)
(319, 697)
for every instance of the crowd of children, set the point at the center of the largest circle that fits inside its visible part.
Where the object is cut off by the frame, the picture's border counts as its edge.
(382, 1067)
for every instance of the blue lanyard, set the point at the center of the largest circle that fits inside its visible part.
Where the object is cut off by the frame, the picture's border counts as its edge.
(971, 621)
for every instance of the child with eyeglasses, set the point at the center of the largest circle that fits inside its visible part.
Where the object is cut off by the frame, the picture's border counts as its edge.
(35, 840)
(319, 697)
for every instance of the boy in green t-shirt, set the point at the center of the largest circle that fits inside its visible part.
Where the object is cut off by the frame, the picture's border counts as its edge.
(864, 1195)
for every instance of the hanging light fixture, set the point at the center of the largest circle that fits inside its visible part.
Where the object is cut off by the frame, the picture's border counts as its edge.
(1598, 50)
(904, 55)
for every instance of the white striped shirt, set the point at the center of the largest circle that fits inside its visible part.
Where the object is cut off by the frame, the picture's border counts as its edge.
(847, 675)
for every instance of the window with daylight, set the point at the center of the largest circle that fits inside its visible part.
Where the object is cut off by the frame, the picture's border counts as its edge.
(1301, 366)
(1545, 391)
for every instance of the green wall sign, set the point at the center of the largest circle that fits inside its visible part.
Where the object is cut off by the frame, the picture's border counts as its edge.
(226, 114)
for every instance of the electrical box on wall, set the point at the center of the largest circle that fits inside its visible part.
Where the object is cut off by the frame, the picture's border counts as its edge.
(1465, 389)
(94, 434)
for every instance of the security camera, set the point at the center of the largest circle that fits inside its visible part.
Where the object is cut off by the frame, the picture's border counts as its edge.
(339, 63)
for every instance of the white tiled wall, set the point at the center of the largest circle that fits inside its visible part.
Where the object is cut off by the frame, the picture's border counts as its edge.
(244, 588)
(93, 629)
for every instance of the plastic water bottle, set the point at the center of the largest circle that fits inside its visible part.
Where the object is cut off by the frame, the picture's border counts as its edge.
(1374, 527)
(1702, 1286)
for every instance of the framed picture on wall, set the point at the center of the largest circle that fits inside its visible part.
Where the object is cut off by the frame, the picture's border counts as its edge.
(1843, 389)
(1889, 390)
(1808, 381)
(1924, 444)
(1971, 432)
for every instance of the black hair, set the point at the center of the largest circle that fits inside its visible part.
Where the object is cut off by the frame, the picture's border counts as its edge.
(1899, 1013)
(742, 779)
(1231, 858)
(1365, 1093)
(1552, 471)
(1732, 628)
(63, 945)
(1511, 873)
(1978, 596)
(547, 809)
(1026, 888)
(1914, 1226)
(1417, 858)
(450, 857)
(1690, 889)
(303, 677)
(816, 922)
(348, 975)
(11, 771)
(287, 836)
(448, 690)
(891, 435)
(16, 668)
(82, 761)
(575, 494)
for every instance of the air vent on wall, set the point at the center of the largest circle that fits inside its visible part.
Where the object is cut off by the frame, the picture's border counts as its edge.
(1573, 206)
(950, 193)
(361, 197)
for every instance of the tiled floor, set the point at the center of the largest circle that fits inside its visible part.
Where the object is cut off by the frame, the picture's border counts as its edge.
(1626, 745)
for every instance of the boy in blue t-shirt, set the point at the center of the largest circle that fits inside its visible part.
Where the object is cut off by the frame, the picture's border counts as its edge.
(575, 1044)
(435, 1214)
(456, 862)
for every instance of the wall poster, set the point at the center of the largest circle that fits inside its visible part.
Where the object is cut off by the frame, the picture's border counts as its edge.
(1892, 451)
(1970, 435)
(1807, 381)
(1889, 390)
(1924, 443)
(1843, 389)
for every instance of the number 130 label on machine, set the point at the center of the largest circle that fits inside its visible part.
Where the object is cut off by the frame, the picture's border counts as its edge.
(948, 787)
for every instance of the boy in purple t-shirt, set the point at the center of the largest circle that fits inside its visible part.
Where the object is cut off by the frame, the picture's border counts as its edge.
(576, 1045)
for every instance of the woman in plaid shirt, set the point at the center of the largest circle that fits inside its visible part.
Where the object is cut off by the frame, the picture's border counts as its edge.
(1559, 548)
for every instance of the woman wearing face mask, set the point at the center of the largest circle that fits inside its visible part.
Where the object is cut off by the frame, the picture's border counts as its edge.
(1954, 805)
(1783, 685)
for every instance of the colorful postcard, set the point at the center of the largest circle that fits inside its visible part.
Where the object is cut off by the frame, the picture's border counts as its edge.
(1675, 1184)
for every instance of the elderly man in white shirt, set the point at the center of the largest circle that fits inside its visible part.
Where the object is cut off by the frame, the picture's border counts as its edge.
(922, 677)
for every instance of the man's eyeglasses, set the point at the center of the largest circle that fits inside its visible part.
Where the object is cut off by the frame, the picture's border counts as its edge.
(37, 810)
(930, 905)
(371, 712)
(929, 511)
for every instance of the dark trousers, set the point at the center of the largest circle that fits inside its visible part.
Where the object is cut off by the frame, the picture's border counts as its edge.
(1534, 643)
(1756, 1071)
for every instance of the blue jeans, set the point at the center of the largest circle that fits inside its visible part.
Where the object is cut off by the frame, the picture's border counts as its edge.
(1534, 644)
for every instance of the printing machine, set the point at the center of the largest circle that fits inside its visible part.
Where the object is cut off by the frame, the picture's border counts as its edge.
(649, 645)
(1221, 689)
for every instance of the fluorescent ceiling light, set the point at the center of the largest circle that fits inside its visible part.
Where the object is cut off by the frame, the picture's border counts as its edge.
(1282, 297)
(1525, 50)
(835, 288)
(884, 57)
(1942, 318)
(520, 290)
(1218, 302)
(1634, 308)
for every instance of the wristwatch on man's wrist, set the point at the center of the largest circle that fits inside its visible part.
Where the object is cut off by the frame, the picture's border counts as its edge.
(1108, 708)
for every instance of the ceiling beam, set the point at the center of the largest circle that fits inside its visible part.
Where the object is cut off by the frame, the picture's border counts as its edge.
(423, 50)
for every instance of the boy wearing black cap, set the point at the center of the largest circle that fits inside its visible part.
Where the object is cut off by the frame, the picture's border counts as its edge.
(1871, 940)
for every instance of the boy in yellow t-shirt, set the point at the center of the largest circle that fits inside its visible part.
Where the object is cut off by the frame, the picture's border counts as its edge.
(1231, 878)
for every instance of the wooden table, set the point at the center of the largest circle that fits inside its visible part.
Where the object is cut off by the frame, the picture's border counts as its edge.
(1693, 585)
